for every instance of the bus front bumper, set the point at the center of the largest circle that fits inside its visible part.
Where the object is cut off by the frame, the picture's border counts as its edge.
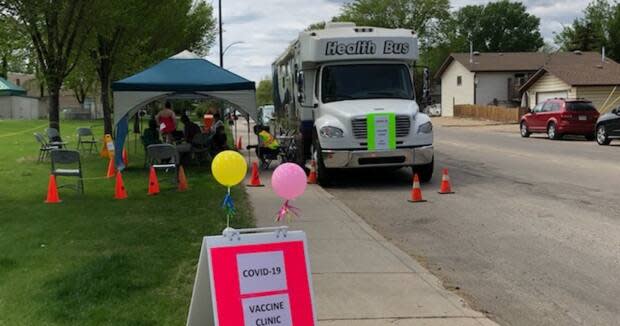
(363, 158)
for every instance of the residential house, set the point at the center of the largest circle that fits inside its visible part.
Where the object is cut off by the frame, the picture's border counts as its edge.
(15, 104)
(69, 105)
(485, 78)
(586, 75)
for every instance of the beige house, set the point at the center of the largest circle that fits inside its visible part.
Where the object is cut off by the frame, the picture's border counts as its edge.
(485, 78)
(15, 104)
(69, 105)
(575, 75)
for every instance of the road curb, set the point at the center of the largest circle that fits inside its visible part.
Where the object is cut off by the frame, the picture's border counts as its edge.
(405, 258)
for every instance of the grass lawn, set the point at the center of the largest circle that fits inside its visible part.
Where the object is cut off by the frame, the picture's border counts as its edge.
(93, 260)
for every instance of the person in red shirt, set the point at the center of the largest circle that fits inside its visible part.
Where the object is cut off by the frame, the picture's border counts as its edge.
(167, 121)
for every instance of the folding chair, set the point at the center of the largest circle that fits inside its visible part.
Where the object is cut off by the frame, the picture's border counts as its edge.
(45, 148)
(200, 146)
(71, 166)
(163, 157)
(53, 136)
(85, 136)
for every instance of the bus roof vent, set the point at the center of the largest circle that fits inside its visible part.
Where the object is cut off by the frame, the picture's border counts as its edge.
(333, 25)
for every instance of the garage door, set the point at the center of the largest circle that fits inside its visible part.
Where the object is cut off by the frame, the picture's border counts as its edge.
(543, 96)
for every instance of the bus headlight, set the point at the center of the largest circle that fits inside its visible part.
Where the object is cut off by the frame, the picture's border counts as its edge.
(331, 132)
(425, 128)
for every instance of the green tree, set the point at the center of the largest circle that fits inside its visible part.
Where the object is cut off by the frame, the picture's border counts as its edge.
(264, 92)
(581, 35)
(14, 46)
(128, 36)
(58, 30)
(598, 28)
(501, 26)
(82, 80)
(614, 29)
(418, 15)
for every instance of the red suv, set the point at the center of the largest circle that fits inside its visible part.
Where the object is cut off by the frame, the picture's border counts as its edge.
(558, 117)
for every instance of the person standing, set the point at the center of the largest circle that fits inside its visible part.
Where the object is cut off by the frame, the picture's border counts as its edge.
(217, 122)
(167, 121)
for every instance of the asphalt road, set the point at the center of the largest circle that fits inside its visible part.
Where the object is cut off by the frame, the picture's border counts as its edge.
(532, 235)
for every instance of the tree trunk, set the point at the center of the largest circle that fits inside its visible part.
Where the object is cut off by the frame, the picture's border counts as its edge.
(4, 68)
(54, 106)
(104, 79)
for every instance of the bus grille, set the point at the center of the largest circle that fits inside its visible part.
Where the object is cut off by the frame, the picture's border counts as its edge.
(403, 125)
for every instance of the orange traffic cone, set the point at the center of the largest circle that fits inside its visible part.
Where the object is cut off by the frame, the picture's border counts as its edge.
(119, 190)
(52, 191)
(416, 191)
(446, 188)
(312, 176)
(153, 183)
(111, 170)
(125, 159)
(255, 180)
(239, 144)
(182, 179)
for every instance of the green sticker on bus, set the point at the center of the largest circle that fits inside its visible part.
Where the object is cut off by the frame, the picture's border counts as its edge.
(381, 131)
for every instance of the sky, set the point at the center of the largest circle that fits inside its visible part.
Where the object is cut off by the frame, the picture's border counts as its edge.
(266, 27)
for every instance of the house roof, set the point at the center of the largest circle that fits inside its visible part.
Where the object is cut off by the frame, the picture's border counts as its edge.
(579, 69)
(8, 89)
(496, 61)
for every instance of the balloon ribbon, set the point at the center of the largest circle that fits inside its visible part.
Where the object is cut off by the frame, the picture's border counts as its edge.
(287, 211)
(229, 207)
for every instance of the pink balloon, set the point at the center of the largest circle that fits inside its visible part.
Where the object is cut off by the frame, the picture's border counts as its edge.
(289, 181)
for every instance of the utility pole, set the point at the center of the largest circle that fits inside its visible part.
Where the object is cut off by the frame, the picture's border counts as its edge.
(219, 8)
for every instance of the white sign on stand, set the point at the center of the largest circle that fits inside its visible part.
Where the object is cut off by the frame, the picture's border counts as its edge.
(267, 310)
(261, 272)
(253, 277)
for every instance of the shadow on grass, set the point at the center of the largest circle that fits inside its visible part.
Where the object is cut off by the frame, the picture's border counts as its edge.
(7, 264)
(98, 285)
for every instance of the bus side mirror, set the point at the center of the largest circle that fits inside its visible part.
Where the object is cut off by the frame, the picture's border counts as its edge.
(300, 81)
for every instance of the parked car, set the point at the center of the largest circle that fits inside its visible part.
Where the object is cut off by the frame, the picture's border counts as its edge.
(559, 117)
(608, 127)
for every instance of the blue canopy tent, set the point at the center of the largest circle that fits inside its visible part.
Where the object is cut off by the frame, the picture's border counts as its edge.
(184, 75)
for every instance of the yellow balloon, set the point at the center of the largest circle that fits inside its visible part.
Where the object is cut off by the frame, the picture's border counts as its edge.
(229, 168)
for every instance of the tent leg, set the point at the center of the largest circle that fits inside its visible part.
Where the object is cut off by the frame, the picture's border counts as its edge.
(235, 127)
(249, 150)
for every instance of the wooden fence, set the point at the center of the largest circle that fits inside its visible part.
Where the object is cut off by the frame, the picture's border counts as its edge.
(494, 113)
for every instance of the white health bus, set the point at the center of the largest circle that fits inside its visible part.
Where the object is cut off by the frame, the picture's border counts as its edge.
(347, 94)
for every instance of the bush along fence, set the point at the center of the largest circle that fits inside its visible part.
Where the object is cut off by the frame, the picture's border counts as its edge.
(494, 113)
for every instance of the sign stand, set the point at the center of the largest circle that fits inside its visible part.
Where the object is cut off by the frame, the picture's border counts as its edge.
(258, 276)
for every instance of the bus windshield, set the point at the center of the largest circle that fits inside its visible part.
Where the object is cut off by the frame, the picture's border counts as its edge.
(366, 81)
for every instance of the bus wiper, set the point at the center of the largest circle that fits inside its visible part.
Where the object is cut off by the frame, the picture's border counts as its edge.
(383, 93)
(339, 97)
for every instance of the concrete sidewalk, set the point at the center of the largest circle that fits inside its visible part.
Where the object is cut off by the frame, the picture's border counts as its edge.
(359, 277)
